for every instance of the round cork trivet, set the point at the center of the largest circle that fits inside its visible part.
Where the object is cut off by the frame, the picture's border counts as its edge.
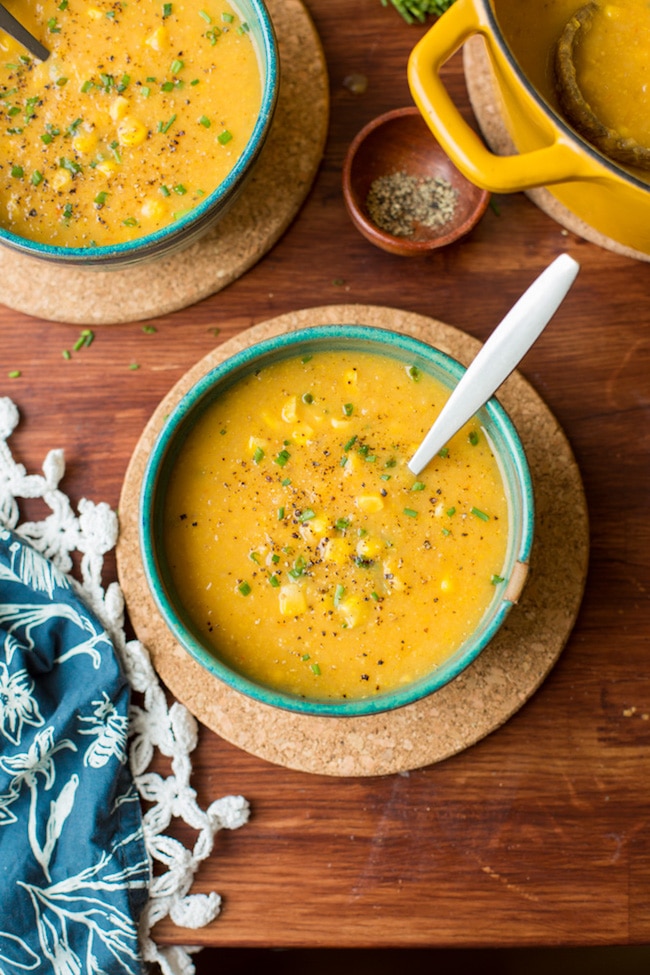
(486, 103)
(268, 203)
(480, 699)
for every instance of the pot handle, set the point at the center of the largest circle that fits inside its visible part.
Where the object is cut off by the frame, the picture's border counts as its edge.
(555, 163)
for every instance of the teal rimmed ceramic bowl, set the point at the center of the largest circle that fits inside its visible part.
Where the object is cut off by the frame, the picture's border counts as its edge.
(494, 421)
(196, 222)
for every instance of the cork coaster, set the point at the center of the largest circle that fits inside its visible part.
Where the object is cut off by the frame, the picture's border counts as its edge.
(485, 99)
(478, 701)
(268, 203)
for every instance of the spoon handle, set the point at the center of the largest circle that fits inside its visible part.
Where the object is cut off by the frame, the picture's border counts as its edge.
(502, 352)
(15, 29)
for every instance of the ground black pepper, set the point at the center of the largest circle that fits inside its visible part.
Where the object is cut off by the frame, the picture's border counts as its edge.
(397, 202)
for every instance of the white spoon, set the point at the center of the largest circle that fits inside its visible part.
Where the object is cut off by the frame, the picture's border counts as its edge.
(504, 349)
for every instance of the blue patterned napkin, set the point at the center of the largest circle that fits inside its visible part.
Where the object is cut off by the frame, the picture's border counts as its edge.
(74, 872)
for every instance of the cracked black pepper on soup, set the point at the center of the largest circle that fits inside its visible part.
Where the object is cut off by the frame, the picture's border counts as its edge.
(397, 203)
(303, 548)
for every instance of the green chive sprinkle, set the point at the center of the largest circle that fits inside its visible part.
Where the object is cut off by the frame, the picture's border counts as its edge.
(282, 458)
(307, 515)
(66, 354)
(166, 126)
(224, 137)
(258, 456)
(180, 189)
(451, 511)
(100, 199)
(414, 373)
(149, 329)
(410, 512)
(418, 486)
(206, 16)
(227, 18)
(307, 398)
(315, 669)
(479, 514)
(37, 177)
(473, 437)
(274, 581)
(305, 657)
(205, 121)
(339, 593)
(348, 409)
(495, 580)
(444, 452)
(280, 513)
(350, 444)
(177, 66)
(14, 374)
(244, 588)
(165, 190)
(17, 172)
(167, 10)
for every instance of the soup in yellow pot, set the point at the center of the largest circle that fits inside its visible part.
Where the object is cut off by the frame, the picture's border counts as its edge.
(302, 547)
(592, 60)
(140, 111)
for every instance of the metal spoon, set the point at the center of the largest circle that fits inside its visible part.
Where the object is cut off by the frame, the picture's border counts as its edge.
(15, 29)
(502, 352)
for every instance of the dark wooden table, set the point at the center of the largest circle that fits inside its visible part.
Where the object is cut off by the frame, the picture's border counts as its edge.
(540, 834)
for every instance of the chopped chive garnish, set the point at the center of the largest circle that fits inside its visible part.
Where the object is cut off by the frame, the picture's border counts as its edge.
(180, 189)
(350, 444)
(37, 177)
(385, 477)
(177, 66)
(445, 532)
(280, 513)
(206, 16)
(166, 126)
(414, 373)
(451, 511)
(254, 557)
(101, 198)
(286, 482)
(130, 222)
(274, 581)
(315, 669)
(307, 515)
(495, 580)
(133, 366)
(17, 172)
(227, 18)
(66, 354)
(418, 486)
(348, 409)
(444, 452)
(165, 190)
(282, 458)
(243, 28)
(307, 398)
(473, 437)
(339, 593)
(167, 10)
(306, 358)
(258, 456)
(305, 657)
(205, 122)
(275, 558)
(410, 512)
(67, 211)
(149, 329)
(213, 35)
(341, 524)
(374, 595)
(61, 82)
(244, 588)
(86, 87)
(343, 461)
(53, 26)
(224, 137)
(194, 82)
(145, 91)
(479, 514)
(14, 374)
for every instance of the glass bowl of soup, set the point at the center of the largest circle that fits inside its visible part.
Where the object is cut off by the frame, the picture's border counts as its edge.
(290, 550)
(139, 130)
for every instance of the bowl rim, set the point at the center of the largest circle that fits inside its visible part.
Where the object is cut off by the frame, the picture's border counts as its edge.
(287, 345)
(130, 250)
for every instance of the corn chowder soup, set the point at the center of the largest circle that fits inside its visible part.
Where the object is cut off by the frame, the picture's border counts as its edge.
(140, 111)
(302, 547)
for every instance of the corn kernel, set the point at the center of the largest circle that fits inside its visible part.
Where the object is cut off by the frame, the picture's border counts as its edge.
(354, 610)
(131, 131)
(84, 142)
(106, 166)
(289, 414)
(446, 585)
(61, 179)
(152, 209)
(315, 526)
(370, 503)
(158, 40)
(292, 600)
(271, 421)
(118, 108)
(256, 443)
(340, 424)
(302, 434)
(94, 13)
(337, 550)
(369, 548)
(351, 377)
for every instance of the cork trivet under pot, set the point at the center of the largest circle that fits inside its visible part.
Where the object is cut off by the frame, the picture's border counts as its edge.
(268, 203)
(480, 699)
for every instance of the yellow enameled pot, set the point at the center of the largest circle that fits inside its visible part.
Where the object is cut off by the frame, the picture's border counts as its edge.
(610, 198)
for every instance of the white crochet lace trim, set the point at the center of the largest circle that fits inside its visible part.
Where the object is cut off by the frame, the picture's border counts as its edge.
(172, 730)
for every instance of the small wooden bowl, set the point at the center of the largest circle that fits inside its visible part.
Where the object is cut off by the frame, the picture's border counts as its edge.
(400, 141)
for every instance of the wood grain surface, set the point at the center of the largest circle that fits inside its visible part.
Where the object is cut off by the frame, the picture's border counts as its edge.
(540, 833)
